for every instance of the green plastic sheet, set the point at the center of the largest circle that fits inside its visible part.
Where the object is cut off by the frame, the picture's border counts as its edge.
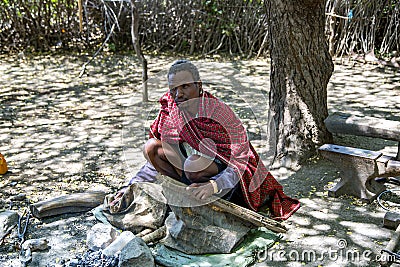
(255, 243)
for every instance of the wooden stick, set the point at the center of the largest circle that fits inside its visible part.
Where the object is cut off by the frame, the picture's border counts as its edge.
(6, 234)
(145, 232)
(80, 16)
(224, 206)
(338, 16)
(249, 215)
(155, 235)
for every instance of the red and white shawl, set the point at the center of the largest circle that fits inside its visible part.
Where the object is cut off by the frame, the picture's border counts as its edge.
(217, 132)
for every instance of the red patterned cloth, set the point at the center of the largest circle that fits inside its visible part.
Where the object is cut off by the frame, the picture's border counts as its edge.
(217, 132)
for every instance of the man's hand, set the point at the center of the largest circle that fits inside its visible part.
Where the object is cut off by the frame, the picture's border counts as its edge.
(118, 196)
(201, 190)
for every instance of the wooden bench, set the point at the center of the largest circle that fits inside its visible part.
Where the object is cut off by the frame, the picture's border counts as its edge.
(360, 167)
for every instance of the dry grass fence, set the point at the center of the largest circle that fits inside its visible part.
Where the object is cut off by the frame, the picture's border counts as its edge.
(236, 27)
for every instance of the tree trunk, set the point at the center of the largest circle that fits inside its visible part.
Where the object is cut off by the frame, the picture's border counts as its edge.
(300, 71)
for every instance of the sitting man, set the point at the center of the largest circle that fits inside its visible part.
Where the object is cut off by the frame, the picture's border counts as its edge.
(198, 140)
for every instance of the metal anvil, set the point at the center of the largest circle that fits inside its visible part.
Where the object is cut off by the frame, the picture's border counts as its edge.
(358, 170)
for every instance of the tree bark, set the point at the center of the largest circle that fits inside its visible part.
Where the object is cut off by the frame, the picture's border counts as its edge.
(301, 67)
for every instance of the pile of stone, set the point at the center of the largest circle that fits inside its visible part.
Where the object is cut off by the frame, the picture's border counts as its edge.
(107, 247)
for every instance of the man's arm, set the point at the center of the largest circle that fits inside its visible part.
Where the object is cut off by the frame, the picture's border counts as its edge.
(226, 180)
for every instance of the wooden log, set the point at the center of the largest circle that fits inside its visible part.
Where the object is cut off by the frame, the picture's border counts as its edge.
(77, 202)
(393, 167)
(363, 126)
(343, 123)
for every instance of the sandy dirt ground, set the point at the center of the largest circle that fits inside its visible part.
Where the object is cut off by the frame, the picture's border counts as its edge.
(62, 134)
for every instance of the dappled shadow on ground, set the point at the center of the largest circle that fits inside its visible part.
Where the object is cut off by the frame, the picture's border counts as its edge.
(58, 128)
(62, 134)
(369, 90)
(340, 231)
(328, 231)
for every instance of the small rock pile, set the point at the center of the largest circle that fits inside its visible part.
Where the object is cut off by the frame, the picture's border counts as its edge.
(109, 248)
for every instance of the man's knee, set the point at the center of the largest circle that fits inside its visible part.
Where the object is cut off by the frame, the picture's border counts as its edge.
(154, 149)
(150, 148)
(195, 169)
(191, 164)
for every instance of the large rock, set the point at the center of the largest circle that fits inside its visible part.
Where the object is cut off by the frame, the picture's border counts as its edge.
(136, 253)
(118, 244)
(202, 230)
(8, 219)
(100, 236)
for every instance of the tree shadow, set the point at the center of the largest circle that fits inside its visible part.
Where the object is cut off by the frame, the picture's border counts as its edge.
(61, 134)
